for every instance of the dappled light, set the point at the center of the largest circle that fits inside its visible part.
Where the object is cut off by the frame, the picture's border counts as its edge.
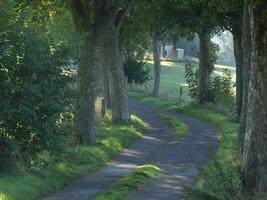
(133, 99)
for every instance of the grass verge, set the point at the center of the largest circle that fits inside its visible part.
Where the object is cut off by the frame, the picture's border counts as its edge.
(74, 162)
(138, 177)
(220, 178)
(179, 127)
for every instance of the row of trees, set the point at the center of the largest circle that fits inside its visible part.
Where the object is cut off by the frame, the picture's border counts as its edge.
(207, 18)
(98, 23)
(37, 83)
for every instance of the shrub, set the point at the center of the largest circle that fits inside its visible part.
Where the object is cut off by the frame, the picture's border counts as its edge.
(136, 71)
(220, 89)
(35, 97)
(191, 78)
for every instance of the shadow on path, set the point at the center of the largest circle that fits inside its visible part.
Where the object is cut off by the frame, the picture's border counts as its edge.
(179, 157)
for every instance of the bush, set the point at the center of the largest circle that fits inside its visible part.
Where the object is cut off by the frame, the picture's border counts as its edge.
(35, 97)
(136, 71)
(220, 89)
(191, 78)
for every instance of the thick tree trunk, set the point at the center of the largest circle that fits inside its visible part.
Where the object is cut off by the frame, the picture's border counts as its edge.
(205, 67)
(88, 62)
(119, 98)
(157, 67)
(237, 37)
(254, 160)
(246, 45)
(105, 73)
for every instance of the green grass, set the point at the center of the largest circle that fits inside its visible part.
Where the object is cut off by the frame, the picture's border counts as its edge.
(220, 178)
(179, 127)
(131, 182)
(173, 78)
(74, 162)
(155, 101)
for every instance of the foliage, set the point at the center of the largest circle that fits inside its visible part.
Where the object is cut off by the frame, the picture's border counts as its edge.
(221, 87)
(179, 127)
(191, 78)
(190, 45)
(226, 53)
(214, 50)
(138, 177)
(72, 163)
(36, 99)
(135, 41)
(136, 71)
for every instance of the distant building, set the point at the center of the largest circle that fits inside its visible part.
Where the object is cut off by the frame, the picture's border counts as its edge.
(169, 52)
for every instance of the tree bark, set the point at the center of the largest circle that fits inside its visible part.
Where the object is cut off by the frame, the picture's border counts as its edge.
(105, 73)
(205, 67)
(157, 67)
(119, 98)
(246, 46)
(254, 162)
(88, 61)
(237, 37)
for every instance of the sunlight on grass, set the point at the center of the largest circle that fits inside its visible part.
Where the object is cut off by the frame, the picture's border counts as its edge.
(75, 162)
(220, 177)
(222, 67)
(173, 78)
(179, 127)
(138, 177)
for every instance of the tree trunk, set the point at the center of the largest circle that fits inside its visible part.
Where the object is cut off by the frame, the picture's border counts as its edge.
(246, 45)
(157, 68)
(205, 67)
(119, 98)
(237, 37)
(88, 62)
(254, 162)
(164, 54)
(105, 73)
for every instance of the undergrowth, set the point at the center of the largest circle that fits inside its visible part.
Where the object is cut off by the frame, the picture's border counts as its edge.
(73, 163)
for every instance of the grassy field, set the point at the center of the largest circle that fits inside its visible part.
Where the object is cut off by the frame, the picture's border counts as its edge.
(173, 78)
(73, 163)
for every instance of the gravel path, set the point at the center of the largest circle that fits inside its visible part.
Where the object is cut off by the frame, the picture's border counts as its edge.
(179, 157)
